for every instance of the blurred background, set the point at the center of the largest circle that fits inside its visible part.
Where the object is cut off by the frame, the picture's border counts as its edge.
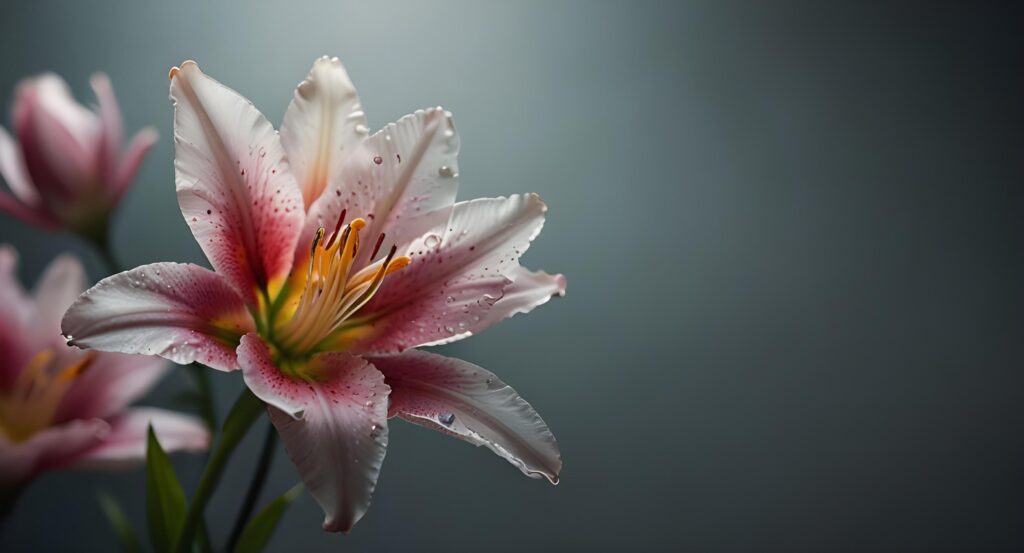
(792, 233)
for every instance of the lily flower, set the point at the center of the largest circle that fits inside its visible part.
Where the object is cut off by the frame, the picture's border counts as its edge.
(335, 252)
(68, 168)
(62, 407)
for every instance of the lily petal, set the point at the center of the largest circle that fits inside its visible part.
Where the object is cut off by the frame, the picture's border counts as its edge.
(463, 400)
(52, 448)
(62, 281)
(125, 445)
(339, 440)
(180, 312)
(455, 278)
(402, 180)
(529, 289)
(234, 185)
(113, 381)
(322, 127)
(12, 168)
(112, 126)
(15, 317)
(132, 160)
(56, 134)
(28, 214)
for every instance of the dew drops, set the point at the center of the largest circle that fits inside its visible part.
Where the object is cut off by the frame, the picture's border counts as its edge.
(446, 418)
(450, 299)
(449, 329)
(445, 171)
(432, 241)
(378, 160)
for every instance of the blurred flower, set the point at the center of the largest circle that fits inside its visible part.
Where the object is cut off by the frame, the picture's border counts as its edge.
(68, 169)
(62, 407)
(335, 253)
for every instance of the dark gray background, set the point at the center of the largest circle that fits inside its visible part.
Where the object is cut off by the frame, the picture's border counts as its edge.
(793, 241)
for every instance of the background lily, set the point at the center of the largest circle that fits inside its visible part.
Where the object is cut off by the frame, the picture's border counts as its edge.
(62, 407)
(68, 168)
(334, 252)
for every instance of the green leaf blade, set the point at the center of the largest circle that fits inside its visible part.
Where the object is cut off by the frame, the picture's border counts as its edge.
(165, 499)
(119, 523)
(260, 529)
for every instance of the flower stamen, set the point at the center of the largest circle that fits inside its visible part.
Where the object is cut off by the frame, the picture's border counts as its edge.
(32, 403)
(331, 293)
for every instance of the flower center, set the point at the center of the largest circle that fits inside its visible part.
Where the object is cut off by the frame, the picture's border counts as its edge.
(32, 403)
(333, 291)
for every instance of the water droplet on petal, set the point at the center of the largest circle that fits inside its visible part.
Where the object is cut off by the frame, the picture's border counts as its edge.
(450, 299)
(446, 418)
(445, 171)
(432, 241)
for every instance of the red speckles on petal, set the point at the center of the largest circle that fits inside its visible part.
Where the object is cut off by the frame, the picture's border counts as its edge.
(181, 312)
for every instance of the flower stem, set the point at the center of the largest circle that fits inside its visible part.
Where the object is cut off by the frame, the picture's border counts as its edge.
(245, 412)
(8, 498)
(259, 478)
(99, 237)
(107, 253)
(207, 410)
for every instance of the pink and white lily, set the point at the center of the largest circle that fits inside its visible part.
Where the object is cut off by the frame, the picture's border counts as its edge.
(62, 407)
(335, 252)
(68, 168)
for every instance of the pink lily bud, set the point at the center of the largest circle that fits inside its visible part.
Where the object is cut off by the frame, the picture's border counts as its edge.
(68, 168)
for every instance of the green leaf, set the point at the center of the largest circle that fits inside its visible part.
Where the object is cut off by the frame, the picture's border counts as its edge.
(259, 530)
(119, 523)
(165, 500)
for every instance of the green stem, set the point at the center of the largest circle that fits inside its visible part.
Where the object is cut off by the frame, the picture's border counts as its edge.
(207, 410)
(107, 253)
(259, 478)
(245, 411)
(99, 237)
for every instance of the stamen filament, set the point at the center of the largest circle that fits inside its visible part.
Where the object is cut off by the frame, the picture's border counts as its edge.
(331, 293)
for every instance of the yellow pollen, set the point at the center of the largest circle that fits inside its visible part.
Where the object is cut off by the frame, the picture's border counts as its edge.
(32, 403)
(331, 293)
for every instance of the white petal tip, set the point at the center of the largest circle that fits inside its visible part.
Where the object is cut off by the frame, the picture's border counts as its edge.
(561, 282)
(178, 69)
(99, 79)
